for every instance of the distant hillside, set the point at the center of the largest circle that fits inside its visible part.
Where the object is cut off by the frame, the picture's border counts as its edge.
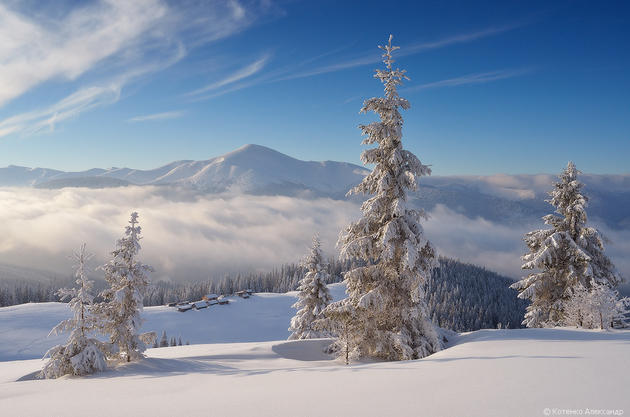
(465, 297)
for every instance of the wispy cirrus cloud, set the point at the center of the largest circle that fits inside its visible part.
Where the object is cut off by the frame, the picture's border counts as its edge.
(82, 100)
(239, 75)
(298, 71)
(418, 47)
(103, 45)
(35, 51)
(76, 103)
(476, 78)
(158, 116)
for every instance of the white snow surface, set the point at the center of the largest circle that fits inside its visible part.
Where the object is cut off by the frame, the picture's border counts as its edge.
(482, 373)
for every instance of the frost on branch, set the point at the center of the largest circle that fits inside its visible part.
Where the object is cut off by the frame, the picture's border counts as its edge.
(385, 314)
(596, 306)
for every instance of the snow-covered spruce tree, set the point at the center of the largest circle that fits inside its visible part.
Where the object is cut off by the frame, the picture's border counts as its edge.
(313, 295)
(386, 295)
(122, 306)
(563, 257)
(80, 355)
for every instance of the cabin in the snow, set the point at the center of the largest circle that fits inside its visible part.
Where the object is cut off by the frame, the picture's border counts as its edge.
(198, 305)
(242, 294)
(210, 297)
(222, 300)
(184, 307)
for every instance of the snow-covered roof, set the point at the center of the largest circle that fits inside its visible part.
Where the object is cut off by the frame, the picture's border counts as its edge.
(210, 296)
(200, 304)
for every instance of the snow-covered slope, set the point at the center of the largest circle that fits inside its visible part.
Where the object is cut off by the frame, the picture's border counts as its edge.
(24, 328)
(530, 372)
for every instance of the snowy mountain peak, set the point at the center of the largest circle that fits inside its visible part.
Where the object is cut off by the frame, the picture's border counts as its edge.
(250, 168)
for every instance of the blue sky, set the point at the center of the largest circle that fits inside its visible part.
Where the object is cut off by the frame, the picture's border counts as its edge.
(496, 87)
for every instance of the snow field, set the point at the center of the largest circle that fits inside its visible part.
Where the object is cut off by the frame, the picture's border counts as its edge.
(483, 373)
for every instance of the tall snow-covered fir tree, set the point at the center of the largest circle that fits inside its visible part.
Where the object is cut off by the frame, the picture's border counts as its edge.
(80, 355)
(122, 306)
(385, 314)
(567, 255)
(313, 295)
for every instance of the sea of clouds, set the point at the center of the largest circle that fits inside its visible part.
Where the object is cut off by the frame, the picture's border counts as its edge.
(188, 235)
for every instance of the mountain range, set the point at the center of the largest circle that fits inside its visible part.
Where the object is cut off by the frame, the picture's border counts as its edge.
(249, 169)
(255, 169)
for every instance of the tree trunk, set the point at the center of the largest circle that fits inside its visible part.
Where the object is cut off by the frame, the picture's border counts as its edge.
(347, 344)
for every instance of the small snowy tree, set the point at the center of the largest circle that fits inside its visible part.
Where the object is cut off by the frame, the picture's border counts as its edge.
(386, 295)
(164, 339)
(567, 255)
(80, 355)
(122, 308)
(341, 319)
(313, 295)
(595, 307)
(577, 307)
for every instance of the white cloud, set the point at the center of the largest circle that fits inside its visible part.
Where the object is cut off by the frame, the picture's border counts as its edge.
(36, 50)
(192, 236)
(104, 45)
(185, 235)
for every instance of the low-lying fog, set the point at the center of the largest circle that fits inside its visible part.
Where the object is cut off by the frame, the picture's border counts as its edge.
(194, 236)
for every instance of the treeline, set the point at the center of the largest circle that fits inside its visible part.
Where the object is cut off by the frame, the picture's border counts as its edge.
(460, 296)
(12, 293)
(279, 280)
